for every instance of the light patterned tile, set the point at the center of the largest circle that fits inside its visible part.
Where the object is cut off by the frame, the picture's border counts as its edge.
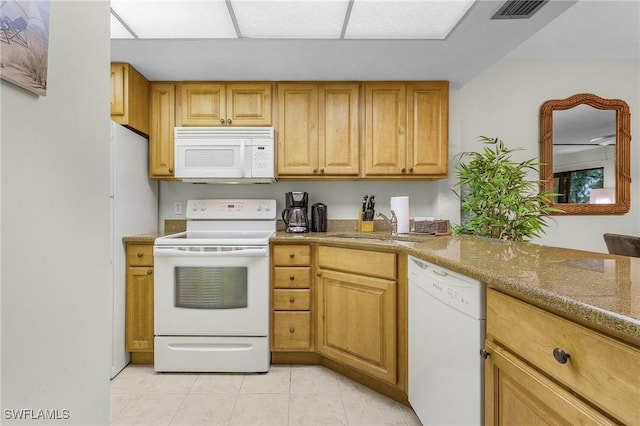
(150, 409)
(205, 409)
(117, 402)
(307, 409)
(217, 383)
(154, 383)
(409, 415)
(261, 409)
(370, 408)
(275, 381)
(313, 379)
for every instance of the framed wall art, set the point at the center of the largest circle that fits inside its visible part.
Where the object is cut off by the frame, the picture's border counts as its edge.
(24, 44)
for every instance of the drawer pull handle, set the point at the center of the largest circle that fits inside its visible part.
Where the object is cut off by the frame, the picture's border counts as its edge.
(292, 300)
(291, 256)
(484, 354)
(292, 330)
(139, 254)
(292, 277)
(560, 355)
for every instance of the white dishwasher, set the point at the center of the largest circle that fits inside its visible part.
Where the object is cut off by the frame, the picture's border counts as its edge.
(446, 333)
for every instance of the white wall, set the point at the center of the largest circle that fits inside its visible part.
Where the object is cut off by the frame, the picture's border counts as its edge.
(504, 102)
(56, 325)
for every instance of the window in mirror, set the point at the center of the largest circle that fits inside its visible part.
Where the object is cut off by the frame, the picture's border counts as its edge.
(584, 151)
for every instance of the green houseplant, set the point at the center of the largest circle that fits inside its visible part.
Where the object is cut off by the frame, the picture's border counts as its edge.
(497, 198)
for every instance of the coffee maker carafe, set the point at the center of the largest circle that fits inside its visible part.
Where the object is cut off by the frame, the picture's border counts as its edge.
(295, 213)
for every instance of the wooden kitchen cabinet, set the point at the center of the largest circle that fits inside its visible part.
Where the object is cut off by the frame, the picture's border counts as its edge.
(129, 98)
(406, 129)
(161, 132)
(139, 303)
(291, 301)
(356, 296)
(220, 104)
(529, 379)
(318, 130)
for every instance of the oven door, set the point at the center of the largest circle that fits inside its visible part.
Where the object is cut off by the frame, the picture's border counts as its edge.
(211, 291)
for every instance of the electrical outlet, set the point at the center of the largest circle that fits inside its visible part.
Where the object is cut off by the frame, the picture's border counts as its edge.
(177, 207)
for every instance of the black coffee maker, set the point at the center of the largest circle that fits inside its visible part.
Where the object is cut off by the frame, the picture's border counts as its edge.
(295, 213)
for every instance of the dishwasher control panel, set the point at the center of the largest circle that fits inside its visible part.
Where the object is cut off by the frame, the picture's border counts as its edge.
(462, 293)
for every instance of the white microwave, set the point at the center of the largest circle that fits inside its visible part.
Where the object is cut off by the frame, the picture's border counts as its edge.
(225, 154)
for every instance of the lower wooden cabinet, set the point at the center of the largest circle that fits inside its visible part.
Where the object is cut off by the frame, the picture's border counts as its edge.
(291, 319)
(356, 311)
(139, 302)
(545, 369)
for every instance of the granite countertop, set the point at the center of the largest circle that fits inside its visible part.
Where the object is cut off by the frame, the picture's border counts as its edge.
(599, 290)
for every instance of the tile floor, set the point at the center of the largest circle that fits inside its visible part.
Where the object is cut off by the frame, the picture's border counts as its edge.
(286, 395)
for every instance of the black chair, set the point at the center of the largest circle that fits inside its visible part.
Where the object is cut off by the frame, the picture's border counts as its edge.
(625, 245)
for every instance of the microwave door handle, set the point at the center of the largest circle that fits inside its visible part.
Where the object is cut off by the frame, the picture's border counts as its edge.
(242, 174)
(180, 252)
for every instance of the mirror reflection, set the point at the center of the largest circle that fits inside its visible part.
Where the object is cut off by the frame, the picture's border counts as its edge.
(585, 146)
(584, 154)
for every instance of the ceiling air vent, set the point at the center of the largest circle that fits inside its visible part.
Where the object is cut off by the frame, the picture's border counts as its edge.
(519, 9)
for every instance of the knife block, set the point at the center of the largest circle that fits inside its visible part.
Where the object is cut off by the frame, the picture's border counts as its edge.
(364, 225)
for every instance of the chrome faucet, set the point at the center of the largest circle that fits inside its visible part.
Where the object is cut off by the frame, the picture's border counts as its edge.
(393, 222)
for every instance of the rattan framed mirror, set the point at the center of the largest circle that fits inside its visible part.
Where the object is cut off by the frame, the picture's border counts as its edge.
(585, 143)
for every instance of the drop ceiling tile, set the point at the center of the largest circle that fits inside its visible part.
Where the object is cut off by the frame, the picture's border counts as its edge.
(176, 19)
(428, 19)
(290, 19)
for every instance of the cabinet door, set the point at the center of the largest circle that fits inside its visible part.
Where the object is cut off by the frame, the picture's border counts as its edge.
(428, 128)
(338, 130)
(516, 394)
(117, 90)
(139, 309)
(357, 322)
(249, 104)
(297, 131)
(161, 138)
(202, 104)
(385, 135)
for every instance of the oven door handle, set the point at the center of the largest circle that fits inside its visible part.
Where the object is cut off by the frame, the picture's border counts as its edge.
(185, 252)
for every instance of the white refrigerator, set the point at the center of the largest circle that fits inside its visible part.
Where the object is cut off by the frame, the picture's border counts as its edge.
(134, 211)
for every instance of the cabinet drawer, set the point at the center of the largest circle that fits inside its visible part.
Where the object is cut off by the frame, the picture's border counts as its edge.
(291, 300)
(291, 277)
(599, 368)
(291, 255)
(292, 330)
(140, 255)
(363, 262)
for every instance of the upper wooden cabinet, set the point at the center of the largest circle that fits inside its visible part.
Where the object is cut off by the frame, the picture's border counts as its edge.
(161, 135)
(406, 129)
(129, 97)
(317, 130)
(219, 104)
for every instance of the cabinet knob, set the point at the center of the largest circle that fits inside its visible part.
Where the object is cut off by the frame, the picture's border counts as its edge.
(319, 274)
(411, 169)
(139, 254)
(560, 355)
(222, 121)
(292, 277)
(292, 300)
(315, 170)
(228, 121)
(291, 255)
(149, 271)
(322, 170)
(292, 330)
(403, 170)
(170, 169)
(484, 354)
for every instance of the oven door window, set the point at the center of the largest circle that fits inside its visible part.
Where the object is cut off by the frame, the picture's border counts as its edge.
(203, 287)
